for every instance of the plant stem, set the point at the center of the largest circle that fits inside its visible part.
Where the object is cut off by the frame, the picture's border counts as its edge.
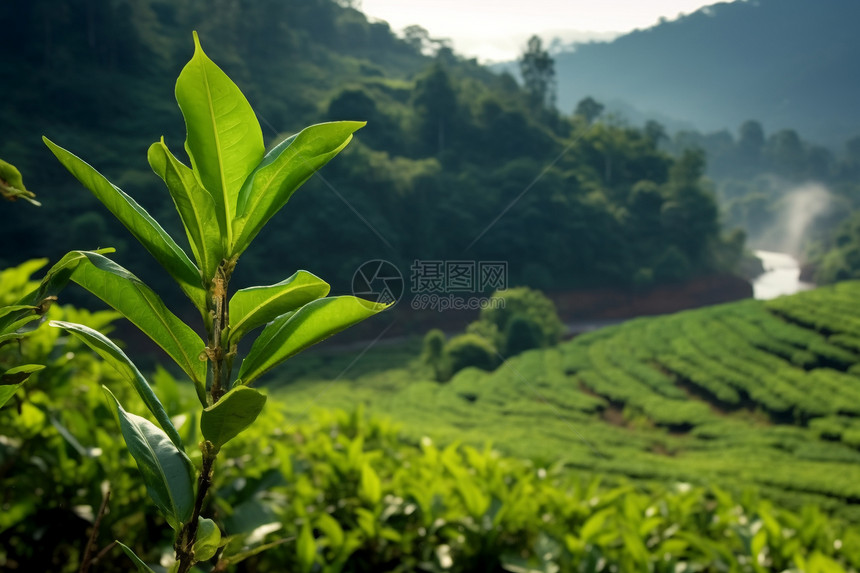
(188, 535)
(219, 310)
(88, 560)
(219, 323)
(220, 320)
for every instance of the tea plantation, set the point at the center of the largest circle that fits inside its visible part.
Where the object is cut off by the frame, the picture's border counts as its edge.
(721, 439)
(737, 395)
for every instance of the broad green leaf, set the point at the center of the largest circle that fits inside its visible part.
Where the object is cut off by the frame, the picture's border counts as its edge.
(369, 488)
(141, 566)
(256, 306)
(20, 373)
(229, 416)
(11, 331)
(306, 549)
(14, 378)
(293, 332)
(595, 523)
(332, 531)
(224, 141)
(135, 218)
(474, 499)
(195, 207)
(166, 470)
(111, 353)
(635, 548)
(239, 557)
(757, 545)
(208, 539)
(136, 302)
(15, 308)
(282, 171)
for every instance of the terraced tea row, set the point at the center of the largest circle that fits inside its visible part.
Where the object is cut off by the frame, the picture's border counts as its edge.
(748, 393)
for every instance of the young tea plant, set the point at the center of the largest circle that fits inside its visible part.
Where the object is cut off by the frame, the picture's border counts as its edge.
(230, 191)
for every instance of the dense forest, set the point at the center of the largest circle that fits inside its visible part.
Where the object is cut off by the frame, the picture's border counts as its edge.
(448, 146)
(788, 194)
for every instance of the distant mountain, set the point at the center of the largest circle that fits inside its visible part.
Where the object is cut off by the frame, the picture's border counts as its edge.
(787, 63)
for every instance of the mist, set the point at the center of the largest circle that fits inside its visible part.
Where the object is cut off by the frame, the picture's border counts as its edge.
(795, 216)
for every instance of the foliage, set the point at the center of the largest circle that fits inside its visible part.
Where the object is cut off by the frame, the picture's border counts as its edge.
(517, 305)
(588, 109)
(437, 127)
(12, 184)
(787, 194)
(58, 443)
(350, 494)
(737, 395)
(522, 333)
(538, 71)
(230, 191)
(838, 257)
(433, 352)
(469, 350)
(518, 319)
(363, 500)
(355, 494)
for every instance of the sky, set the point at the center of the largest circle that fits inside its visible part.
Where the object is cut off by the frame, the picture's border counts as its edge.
(496, 30)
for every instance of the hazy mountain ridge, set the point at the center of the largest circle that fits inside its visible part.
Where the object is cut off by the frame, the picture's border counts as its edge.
(730, 62)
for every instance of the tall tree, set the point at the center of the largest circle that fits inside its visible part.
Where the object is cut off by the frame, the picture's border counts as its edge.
(589, 109)
(435, 104)
(538, 70)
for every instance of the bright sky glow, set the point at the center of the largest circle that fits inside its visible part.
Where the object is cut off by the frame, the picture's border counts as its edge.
(494, 30)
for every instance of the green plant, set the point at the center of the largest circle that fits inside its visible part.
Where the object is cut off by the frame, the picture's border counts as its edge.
(17, 318)
(230, 191)
(522, 333)
(523, 303)
(12, 184)
(467, 350)
(433, 353)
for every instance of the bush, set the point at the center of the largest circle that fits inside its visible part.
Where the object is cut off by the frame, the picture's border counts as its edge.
(522, 333)
(468, 350)
(529, 304)
(433, 353)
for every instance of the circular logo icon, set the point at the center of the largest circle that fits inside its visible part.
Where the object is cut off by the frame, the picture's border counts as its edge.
(378, 281)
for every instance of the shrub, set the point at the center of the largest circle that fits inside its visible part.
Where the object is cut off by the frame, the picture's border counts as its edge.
(468, 350)
(527, 303)
(522, 333)
(434, 351)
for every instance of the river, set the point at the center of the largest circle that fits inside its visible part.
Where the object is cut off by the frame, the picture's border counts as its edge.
(781, 276)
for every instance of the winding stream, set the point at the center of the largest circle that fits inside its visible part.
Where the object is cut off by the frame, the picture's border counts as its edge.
(781, 276)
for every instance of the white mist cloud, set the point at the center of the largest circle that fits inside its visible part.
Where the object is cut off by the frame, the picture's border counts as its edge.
(801, 206)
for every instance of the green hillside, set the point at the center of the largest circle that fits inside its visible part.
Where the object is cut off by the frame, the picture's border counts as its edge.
(738, 394)
(448, 147)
